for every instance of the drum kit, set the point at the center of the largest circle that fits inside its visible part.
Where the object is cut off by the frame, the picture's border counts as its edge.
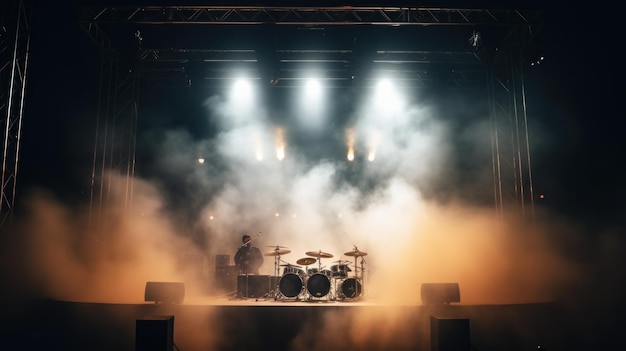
(339, 282)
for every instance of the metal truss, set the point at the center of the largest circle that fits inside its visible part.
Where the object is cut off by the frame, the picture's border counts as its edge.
(115, 135)
(14, 52)
(512, 170)
(183, 67)
(282, 64)
(313, 15)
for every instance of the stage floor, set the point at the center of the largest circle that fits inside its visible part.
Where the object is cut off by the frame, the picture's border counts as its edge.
(225, 322)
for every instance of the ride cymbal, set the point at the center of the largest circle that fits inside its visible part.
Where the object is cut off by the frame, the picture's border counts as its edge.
(306, 261)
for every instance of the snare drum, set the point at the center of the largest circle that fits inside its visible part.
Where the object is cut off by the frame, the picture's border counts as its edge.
(290, 285)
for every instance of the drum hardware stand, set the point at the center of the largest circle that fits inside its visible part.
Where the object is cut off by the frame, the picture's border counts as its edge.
(277, 252)
(362, 292)
(356, 254)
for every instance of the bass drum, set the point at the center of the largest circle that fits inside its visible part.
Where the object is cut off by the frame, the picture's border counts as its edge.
(351, 288)
(290, 285)
(318, 285)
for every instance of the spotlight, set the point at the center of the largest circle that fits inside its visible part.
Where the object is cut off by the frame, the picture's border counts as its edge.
(313, 88)
(242, 90)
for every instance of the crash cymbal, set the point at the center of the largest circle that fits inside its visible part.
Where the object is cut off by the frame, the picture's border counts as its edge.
(319, 254)
(278, 246)
(290, 265)
(355, 253)
(277, 253)
(306, 261)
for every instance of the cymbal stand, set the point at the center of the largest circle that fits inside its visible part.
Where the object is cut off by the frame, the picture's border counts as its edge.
(362, 292)
(276, 291)
(356, 274)
(276, 265)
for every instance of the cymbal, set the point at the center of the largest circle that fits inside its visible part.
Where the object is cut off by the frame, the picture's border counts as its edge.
(343, 261)
(277, 246)
(306, 261)
(355, 253)
(289, 265)
(277, 253)
(319, 254)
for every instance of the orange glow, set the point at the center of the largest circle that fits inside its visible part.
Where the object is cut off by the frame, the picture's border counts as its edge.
(279, 137)
(350, 139)
(350, 155)
(258, 147)
(374, 141)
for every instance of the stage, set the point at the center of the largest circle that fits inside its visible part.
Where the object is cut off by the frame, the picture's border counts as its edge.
(227, 322)
(254, 316)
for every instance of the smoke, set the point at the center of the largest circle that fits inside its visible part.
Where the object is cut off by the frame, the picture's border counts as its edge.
(416, 209)
(66, 255)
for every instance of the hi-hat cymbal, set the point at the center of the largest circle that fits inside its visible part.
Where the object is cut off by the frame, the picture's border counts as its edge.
(319, 254)
(277, 253)
(343, 261)
(290, 265)
(355, 253)
(306, 261)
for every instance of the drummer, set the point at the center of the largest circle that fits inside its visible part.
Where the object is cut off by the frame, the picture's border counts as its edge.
(248, 258)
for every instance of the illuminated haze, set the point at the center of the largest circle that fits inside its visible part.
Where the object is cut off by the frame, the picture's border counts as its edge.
(421, 209)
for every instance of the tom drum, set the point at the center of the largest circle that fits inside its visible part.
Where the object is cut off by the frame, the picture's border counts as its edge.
(340, 271)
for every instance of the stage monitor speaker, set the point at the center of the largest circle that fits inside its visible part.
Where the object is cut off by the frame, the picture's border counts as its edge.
(154, 334)
(440, 293)
(449, 334)
(168, 292)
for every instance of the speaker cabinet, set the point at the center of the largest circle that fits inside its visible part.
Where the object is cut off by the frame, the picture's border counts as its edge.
(256, 285)
(226, 278)
(168, 292)
(154, 334)
(440, 293)
(222, 260)
(449, 334)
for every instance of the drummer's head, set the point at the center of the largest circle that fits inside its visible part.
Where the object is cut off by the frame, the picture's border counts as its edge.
(245, 238)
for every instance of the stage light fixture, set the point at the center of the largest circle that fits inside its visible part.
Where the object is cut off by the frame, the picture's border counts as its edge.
(313, 88)
(242, 90)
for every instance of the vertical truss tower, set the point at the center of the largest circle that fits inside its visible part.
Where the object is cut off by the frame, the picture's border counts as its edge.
(15, 17)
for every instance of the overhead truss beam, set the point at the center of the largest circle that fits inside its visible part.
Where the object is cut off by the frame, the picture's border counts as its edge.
(337, 15)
